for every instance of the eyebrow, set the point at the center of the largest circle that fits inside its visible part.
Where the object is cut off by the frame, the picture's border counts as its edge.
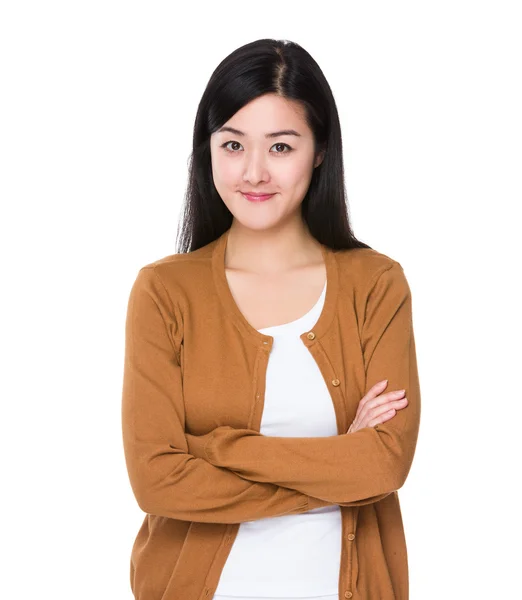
(267, 135)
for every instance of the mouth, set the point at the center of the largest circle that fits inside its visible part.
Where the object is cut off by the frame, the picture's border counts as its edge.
(257, 197)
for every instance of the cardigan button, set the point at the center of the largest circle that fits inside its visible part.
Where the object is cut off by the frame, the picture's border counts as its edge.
(335, 382)
(311, 335)
(348, 594)
(351, 536)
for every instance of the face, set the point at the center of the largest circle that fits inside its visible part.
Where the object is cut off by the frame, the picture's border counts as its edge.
(266, 147)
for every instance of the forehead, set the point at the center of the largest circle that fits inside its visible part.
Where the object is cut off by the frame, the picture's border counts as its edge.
(267, 116)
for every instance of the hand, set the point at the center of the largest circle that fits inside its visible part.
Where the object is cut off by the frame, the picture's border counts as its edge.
(377, 407)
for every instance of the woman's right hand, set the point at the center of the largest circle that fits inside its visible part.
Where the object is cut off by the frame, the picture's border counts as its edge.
(377, 407)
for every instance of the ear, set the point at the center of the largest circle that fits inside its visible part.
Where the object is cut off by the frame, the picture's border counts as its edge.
(319, 158)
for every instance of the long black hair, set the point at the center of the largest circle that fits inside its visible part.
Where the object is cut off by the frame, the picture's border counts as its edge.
(277, 67)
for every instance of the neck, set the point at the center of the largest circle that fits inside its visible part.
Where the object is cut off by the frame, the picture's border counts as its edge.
(271, 250)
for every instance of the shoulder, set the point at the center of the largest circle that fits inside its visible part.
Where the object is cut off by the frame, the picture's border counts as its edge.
(179, 264)
(168, 286)
(361, 268)
(179, 274)
(372, 282)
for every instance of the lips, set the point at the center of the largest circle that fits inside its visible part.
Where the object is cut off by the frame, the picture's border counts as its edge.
(257, 197)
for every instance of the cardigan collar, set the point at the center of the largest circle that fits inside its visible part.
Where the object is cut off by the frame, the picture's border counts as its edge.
(246, 329)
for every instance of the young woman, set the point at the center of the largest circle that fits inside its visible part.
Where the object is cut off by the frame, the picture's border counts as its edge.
(271, 401)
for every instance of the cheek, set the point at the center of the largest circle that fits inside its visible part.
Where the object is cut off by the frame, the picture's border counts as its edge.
(294, 174)
(224, 171)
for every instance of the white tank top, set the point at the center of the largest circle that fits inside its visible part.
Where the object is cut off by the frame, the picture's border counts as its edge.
(295, 555)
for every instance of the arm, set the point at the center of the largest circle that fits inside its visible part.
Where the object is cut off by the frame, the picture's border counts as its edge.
(165, 478)
(352, 468)
(198, 445)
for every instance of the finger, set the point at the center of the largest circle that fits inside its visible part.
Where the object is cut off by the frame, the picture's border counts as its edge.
(382, 418)
(387, 398)
(388, 409)
(372, 393)
(373, 399)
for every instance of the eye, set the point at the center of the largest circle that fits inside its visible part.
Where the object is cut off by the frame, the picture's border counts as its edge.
(281, 144)
(227, 143)
(225, 146)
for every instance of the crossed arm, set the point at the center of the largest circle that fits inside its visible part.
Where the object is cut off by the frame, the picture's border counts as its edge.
(166, 478)
(348, 469)
(234, 475)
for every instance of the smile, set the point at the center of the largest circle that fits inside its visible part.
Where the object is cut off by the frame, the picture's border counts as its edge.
(260, 198)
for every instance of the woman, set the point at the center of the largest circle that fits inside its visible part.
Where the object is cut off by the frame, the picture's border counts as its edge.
(259, 436)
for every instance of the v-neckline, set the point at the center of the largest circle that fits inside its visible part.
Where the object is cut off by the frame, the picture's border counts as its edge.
(291, 326)
(249, 331)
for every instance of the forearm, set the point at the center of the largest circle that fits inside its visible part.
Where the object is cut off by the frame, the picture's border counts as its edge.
(358, 467)
(328, 468)
(181, 486)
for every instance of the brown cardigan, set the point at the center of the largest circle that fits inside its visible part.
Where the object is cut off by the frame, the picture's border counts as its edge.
(193, 393)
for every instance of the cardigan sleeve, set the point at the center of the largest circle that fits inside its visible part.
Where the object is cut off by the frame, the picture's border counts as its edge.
(165, 478)
(351, 468)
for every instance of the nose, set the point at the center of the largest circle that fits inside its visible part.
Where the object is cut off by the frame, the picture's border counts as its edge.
(255, 167)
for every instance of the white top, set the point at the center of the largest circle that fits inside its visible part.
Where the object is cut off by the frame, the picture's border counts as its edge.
(295, 555)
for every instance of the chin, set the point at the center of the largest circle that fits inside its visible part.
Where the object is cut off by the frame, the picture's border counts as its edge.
(256, 224)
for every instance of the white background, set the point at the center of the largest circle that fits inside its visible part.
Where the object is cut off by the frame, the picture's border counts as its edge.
(97, 106)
